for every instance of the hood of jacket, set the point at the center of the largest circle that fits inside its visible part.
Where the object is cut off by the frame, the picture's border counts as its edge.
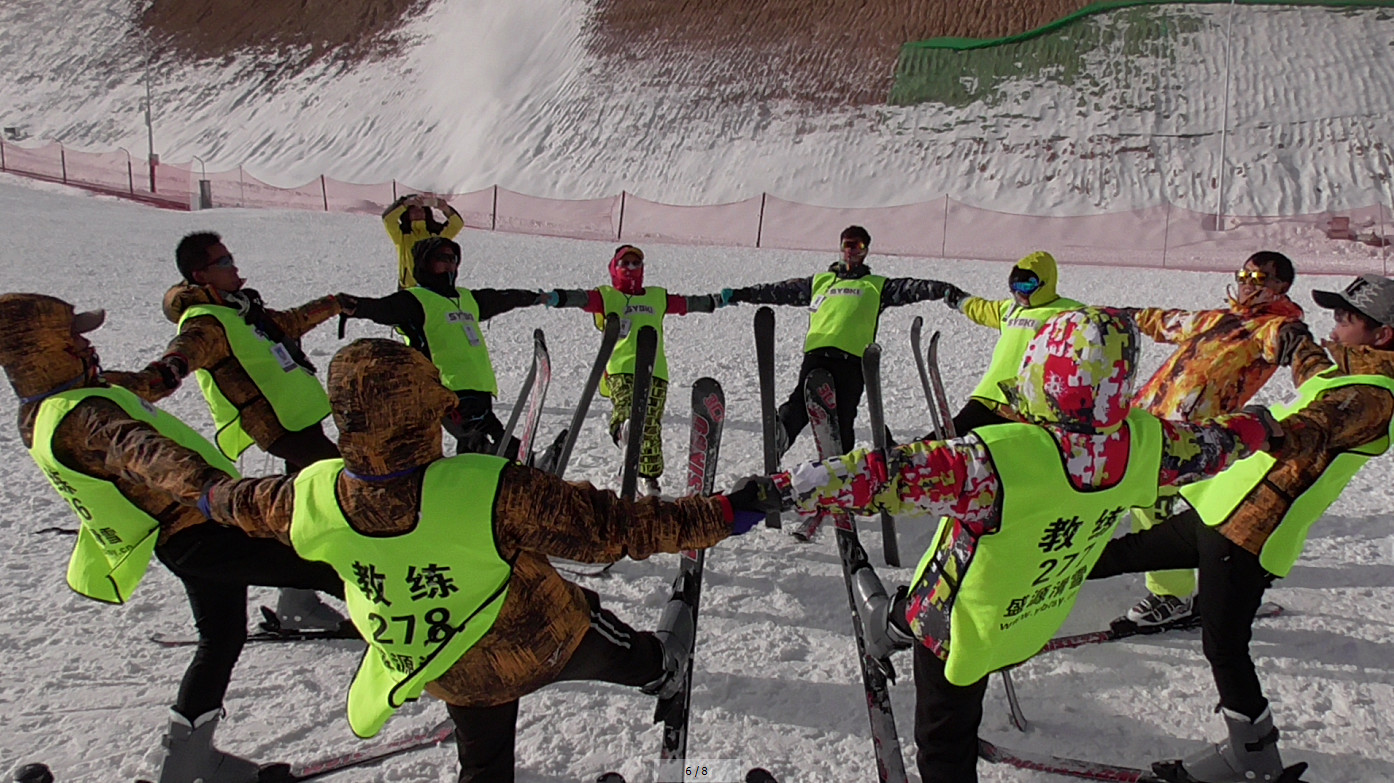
(388, 403)
(1043, 265)
(1078, 372)
(442, 284)
(37, 347)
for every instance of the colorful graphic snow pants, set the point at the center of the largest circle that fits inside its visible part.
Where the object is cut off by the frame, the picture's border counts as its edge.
(622, 397)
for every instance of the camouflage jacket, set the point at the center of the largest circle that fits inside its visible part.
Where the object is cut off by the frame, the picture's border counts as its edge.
(535, 515)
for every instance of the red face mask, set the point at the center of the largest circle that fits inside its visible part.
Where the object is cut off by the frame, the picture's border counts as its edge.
(626, 276)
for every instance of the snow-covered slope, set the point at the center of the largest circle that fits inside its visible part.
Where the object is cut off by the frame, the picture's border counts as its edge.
(776, 682)
(506, 93)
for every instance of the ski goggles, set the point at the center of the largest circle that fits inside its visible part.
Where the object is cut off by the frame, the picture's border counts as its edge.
(853, 244)
(222, 262)
(1250, 276)
(1025, 287)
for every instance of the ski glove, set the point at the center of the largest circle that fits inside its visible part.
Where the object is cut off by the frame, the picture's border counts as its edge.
(953, 296)
(1272, 427)
(348, 304)
(756, 493)
(1290, 335)
(562, 297)
(726, 297)
(172, 370)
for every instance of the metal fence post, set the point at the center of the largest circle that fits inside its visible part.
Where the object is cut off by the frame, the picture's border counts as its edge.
(494, 211)
(944, 235)
(619, 230)
(2, 154)
(324, 192)
(63, 163)
(760, 226)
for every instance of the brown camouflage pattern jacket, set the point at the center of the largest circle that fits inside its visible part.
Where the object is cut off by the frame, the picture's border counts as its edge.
(535, 515)
(156, 474)
(1337, 421)
(204, 346)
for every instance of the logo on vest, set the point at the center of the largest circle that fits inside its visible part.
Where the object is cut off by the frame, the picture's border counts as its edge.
(1018, 322)
(1064, 566)
(639, 309)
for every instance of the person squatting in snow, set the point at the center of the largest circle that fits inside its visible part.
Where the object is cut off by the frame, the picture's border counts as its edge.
(133, 474)
(1222, 358)
(1014, 544)
(441, 319)
(490, 619)
(637, 306)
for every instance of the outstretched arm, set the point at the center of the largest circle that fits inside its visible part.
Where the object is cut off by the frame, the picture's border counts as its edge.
(260, 507)
(539, 512)
(931, 478)
(909, 290)
(1166, 326)
(701, 303)
(794, 293)
(497, 301)
(297, 321)
(1200, 450)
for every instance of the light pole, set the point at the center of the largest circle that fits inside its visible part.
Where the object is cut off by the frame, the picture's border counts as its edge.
(149, 122)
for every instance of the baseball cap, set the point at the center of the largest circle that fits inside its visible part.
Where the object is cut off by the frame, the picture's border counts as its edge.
(1369, 295)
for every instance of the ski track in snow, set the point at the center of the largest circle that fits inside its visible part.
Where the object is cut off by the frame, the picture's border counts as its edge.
(776, 683)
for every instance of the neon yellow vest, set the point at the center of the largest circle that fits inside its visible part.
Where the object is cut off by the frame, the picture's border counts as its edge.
(456, 342)
(1216, 499)
(115, 538)
(292, 391)
(845, 313)
(421, 598)
(1019, 326)
(1023, 580)
(635, 312)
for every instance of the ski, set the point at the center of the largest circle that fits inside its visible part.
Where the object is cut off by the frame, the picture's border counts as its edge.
(871, 376)
(1123, 629)
(536, 380)
(420, 740)
(645, 355)
(1161, 772)
(821, 399)
(1059, 765)
(753, 775)
(609, 336)
(944, 430)
(542, 364)
(916, 328)
(272, 637)
(704, 447)
(764, 362)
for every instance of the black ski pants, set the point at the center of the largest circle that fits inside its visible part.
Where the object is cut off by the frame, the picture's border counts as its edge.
(947, 717)
(303, 448)
(217, 564)
(611, 651)
(1231, 586)
(848, 382)
(477, 429)
(975, 414)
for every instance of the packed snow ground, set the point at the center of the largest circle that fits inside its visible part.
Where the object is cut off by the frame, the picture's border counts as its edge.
(507, 93)
(776, 682)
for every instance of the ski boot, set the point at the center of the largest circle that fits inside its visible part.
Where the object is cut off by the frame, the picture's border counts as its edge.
(1159, 610)
(1248, 755)
(880, 634)
(648, 485)
(676, 631)
(302, 610)
(190, 755)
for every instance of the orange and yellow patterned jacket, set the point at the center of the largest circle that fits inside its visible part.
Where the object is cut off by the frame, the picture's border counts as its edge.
(1222, 357)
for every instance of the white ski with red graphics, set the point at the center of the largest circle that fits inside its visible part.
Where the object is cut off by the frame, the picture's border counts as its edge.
(764, 364)
(530, 397)
(821, 398)
(916, 347)
(1161, 772)
(704, 448)
(876, 410)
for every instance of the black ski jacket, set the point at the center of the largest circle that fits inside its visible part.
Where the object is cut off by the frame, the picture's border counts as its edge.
(799, 291)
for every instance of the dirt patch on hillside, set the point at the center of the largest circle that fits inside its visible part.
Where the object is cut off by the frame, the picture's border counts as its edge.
(829, 54)
(298, 32)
